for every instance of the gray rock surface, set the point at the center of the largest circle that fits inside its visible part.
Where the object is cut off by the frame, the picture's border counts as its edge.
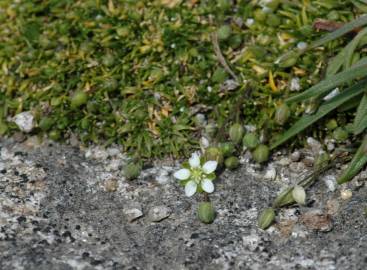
(56, 213)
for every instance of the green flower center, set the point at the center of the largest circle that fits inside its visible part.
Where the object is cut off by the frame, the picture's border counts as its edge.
(197, 174)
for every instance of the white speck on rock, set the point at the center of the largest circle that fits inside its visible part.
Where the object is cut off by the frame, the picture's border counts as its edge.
(330, 182)
(162, 176)
(315, 145)
(24, 121)
(302, 45)
(284, 161)
(295, 85)
(251, 241)
(295, 156)
(271, 173)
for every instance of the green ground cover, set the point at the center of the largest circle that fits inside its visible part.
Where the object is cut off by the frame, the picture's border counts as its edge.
(154, 75)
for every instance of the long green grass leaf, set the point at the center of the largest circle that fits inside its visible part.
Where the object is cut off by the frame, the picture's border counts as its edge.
(352, 46)
(358, 162)
(327, 84)
(360, 121)
(324, 109)
(346, 28)
(336, 63)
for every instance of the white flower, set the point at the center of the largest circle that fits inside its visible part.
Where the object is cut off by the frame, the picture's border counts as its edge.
(197, 175)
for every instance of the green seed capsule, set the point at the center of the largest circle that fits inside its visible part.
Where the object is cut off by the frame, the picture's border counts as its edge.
(322, 160)
(284, 198)
(251, 140)
(282, 114)
(260, 15)
(3, 128)
(289, 62)
(79, 98)
(232, 163)
(132, 171)
(210, 130)
(214, 153)
(224, 32)
(85, 123)
(331, 124)
(219, 75)
(54, 135)
(108, 60)
(340, 134)
(227, 148)
(266, 218)
(206, 212)
(224, 4)
(261, 153)
(110, 85)
(271, 4)
(273, 20)
(46, 123)
(236, 133)
(122, 31)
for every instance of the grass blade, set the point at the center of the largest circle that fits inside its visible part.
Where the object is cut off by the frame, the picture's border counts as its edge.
(357, 163)
(360, 121)
(352, 46)
(324, 109)
(336, 63)
(358, 70)
(346, 28)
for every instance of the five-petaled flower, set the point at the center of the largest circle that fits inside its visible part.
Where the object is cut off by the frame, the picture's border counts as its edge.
(197, 175)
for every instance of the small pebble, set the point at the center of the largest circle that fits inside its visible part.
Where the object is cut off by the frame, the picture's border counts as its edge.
(158, 213)
(297, 167)
(284, 161)
(308, 161)
(271, 173)
(111, 185)
(24, 121)
(133, 212)
(295, 156)
(346, 194)
(330, 182)
(315, 145)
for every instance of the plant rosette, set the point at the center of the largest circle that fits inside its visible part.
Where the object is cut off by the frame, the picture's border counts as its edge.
(197, 175)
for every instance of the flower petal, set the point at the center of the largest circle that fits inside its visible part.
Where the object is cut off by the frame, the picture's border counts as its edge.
(194, 161)
(207, 185)
(182, 174)
(210, 166)
(190, 188)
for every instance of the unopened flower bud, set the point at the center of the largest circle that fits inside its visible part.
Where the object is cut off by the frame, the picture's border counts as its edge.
(266, 218)
(206, 212)
(236, 133)
(261, 153)
(299, 195)
(231, 163)
(282, 114)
